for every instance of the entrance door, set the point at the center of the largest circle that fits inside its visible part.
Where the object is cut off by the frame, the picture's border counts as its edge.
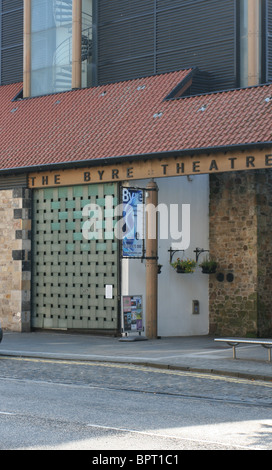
(70, 273)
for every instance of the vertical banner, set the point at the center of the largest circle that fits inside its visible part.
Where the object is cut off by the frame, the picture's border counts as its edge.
(133, 313)
(133, 228)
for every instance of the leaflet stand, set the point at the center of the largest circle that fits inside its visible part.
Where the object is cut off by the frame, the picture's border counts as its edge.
(131, 338)
(132, 317)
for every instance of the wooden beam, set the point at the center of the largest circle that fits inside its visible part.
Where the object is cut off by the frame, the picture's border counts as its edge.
(27, 49)
(155, 168)
(254, 42)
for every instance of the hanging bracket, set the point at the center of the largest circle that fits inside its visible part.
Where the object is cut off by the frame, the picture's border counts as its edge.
(172, 252)
(198, 252)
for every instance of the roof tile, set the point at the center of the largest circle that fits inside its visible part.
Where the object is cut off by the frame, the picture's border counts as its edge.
(127, 119)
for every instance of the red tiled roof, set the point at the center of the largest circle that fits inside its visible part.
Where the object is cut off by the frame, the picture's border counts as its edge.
(123, 119)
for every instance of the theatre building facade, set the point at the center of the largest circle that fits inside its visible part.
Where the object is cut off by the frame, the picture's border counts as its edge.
(135, 146)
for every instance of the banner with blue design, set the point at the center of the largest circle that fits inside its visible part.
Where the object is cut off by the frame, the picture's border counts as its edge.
(133, 227)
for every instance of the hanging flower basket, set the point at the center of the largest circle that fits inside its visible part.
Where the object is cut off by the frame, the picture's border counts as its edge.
(208, 266)
(184, 266)
(208, 270)
(179, 269)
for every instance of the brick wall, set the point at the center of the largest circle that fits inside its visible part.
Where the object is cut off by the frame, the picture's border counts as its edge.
(15, 259)
(240, 240)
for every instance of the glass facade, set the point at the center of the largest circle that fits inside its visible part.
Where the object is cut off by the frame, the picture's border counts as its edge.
(241, 62)
(51, 45)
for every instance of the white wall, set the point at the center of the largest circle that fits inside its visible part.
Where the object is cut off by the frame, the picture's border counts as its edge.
(177, 291)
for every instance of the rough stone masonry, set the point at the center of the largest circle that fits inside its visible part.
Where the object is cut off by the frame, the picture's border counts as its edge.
(15, 259)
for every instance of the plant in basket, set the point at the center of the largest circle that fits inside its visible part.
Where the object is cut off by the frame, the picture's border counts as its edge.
(184, 265)
(208, 266)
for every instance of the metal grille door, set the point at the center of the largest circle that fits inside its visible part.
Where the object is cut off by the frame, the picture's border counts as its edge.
(70, 272)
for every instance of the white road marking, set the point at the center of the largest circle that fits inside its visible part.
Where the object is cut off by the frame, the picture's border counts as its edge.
(167, 436)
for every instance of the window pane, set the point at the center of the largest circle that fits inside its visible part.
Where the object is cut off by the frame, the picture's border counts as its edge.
(51, 46)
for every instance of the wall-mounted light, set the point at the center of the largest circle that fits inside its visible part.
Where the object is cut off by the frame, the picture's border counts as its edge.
(230, 277)
(195, 310)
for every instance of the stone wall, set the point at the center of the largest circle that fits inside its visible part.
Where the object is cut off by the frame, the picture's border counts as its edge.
(240, 240)
(15, 259)
(264, 266)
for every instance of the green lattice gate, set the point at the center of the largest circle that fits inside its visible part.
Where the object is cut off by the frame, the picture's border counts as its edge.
(70, 272)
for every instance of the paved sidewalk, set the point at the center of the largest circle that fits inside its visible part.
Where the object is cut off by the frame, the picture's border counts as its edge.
(200, 353)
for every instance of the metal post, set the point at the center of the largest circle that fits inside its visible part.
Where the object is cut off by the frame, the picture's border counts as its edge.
(151, 260)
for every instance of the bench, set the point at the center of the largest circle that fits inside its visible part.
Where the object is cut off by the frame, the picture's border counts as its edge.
(233, 342)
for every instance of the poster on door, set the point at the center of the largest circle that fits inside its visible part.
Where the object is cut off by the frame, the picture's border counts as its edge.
(133, 313)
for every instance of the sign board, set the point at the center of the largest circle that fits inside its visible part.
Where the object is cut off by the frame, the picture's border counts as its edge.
(133, 228)
(154, 168)
(133, 313)
(108, 291)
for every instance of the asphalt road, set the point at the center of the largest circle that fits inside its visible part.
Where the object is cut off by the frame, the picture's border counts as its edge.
(68, 405)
